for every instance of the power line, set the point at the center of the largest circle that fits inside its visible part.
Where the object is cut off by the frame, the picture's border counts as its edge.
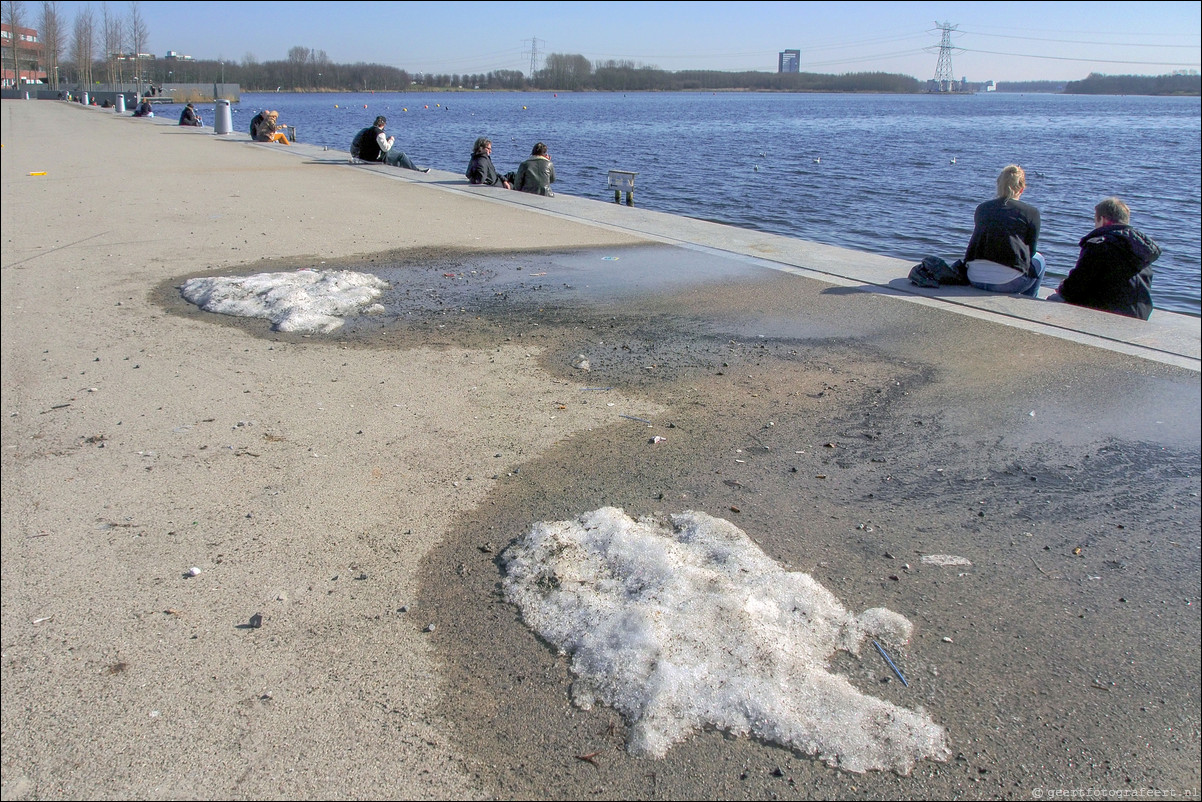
(1070, 58)
(1080, 41)
(862, 59)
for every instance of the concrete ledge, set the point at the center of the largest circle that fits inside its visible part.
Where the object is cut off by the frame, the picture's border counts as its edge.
(1168, 338)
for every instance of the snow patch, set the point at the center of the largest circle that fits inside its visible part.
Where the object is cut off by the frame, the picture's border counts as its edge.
(303, 301)
(685, 624)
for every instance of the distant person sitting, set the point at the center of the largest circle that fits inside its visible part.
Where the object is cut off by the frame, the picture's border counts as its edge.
(537, 173)
(255, 122)
(144, 109)
(269, 129)
(189, 116)
(480, 169)
(373, 145)
(1001, 255)
(1114, 270)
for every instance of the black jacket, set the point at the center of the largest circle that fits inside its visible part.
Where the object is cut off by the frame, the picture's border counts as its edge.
(480, 170)
(1113, 272)
(1006, 231)
(188, 117)
(366, 146)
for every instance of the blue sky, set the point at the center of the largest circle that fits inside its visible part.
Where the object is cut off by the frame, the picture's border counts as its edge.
(994, 40)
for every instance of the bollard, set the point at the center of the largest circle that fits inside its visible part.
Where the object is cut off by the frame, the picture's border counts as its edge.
(120, 103)
(222, 121)
(85, 98)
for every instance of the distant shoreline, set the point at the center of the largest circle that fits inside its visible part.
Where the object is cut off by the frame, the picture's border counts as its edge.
(464, 91)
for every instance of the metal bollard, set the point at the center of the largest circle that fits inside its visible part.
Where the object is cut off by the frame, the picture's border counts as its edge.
(120, 103)
(222, 119)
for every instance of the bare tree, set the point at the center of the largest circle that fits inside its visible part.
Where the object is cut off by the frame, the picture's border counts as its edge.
(83, 45)
(54, 39)
(298, 57)
(566, 71)
(139, 38)
(14, 17)
(111, 37)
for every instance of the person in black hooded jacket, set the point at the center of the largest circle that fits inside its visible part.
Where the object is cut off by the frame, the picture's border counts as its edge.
(1114, 270)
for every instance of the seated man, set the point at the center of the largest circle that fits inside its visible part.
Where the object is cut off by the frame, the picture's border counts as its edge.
(144, 109)
(372, 145)
(1114, 270)
(480, 169)
(189, 116)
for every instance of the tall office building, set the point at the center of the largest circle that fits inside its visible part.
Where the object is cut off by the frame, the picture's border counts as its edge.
(790, 61)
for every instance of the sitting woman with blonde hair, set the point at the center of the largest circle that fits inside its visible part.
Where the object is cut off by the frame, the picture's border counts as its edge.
(1001, 255)
(269, 129)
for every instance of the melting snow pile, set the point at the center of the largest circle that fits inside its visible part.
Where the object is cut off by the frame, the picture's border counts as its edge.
(303, 301)
(689, 625)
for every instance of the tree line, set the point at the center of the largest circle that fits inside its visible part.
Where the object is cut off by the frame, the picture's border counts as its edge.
(1178, 83)
(310, 71)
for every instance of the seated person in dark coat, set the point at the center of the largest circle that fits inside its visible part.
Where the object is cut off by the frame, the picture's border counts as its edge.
(536, 174)
(373, 145)
(480, 169)
(255, 122)
(1001, 255)
(189, 116)
(1114, 270)
(144, 109)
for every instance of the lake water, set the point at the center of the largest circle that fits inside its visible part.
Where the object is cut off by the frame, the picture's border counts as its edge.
(897, 175)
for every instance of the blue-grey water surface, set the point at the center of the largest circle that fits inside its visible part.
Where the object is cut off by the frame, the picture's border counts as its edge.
(897, 175)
